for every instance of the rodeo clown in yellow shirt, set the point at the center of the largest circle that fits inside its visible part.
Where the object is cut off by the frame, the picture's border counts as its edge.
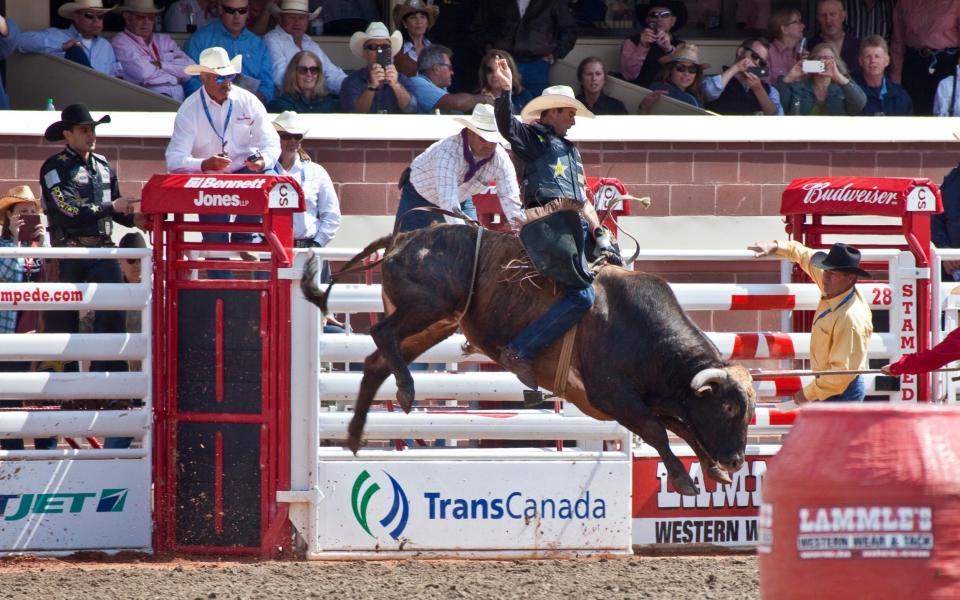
(842, 323)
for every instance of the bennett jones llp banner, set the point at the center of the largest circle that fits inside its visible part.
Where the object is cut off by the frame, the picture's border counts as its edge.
(720, 515)
(74, 505)
(457, 505)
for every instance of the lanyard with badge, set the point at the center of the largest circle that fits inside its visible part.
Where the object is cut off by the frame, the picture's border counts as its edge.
(837, 307)
(226, 121)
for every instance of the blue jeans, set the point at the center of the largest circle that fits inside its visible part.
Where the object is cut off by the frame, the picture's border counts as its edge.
(410, 199)
(536, 75)
(854, 392)
(563, 315)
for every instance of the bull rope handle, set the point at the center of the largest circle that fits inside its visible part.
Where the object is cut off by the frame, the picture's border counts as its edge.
(807, 373)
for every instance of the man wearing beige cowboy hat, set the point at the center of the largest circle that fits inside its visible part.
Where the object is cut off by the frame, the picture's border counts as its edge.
(378, 88)
(553, 177)
(150, 60)
(81, 42)
(230, 33)
(290, 37)
(457, 167)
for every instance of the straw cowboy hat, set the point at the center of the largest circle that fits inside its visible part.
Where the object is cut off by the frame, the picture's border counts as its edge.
(841, 257)
(375, 31)
(16, 195)
(215, 60)
(75, 114)
(407, 8)
(296, 7)
(139, 6)
(290, 122)
(555, 96)
(483, 123)
(95, 6)
(685, 53)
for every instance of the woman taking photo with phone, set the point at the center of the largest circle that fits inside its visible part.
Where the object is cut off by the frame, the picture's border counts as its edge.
(821, 86)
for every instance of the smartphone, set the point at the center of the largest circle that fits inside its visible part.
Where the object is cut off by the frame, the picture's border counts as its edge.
(652, 26)
(383, 57)
(28, 226)
(813, 66)
(254, 157)
(760, 72)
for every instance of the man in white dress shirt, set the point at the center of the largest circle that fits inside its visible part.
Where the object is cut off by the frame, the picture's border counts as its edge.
(290, 36)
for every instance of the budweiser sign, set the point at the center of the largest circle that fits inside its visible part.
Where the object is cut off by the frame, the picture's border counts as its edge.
(882, 196)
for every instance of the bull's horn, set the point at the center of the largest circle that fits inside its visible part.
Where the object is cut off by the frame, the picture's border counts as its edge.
(702, 380)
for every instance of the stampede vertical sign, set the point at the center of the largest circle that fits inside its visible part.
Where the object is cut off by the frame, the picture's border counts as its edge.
(910, 200)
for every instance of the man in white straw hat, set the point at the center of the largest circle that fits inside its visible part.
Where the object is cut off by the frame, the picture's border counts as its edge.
(230, 33)
(290, 37)
(81, 42)
(379, 88)
(150, 60)
(458, 167)
(553, 177)
(222, 128)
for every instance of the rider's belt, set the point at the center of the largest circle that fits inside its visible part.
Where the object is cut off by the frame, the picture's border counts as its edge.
(550, 206)
(84, 241)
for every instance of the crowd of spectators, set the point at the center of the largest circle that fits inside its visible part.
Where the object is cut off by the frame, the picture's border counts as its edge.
(902, 57)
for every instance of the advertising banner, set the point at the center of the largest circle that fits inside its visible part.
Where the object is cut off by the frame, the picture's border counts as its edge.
(221, 193)
(463, 505)
(74, 505)
(720, 515)
(882, 196)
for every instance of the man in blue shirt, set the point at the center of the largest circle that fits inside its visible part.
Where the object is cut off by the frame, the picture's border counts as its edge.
(9, 35)
(434, 76)
(884, 97)
(81, 42)
(231, 33)
(378, 88)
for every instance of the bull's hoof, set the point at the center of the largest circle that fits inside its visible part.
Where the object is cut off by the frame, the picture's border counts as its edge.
(719, 474)
(405, 397)
(684, 485)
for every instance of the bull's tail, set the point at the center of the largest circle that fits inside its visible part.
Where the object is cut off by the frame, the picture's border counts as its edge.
(311, 291)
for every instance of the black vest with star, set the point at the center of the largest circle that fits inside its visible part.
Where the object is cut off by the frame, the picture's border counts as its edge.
(556, 173)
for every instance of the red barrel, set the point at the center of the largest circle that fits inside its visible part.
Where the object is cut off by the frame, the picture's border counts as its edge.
(863, 501)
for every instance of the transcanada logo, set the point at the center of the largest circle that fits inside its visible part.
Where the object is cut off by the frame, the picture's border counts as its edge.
(14, 507)
(204, 199)
(360, 501)
(233, 184)
(515, 505)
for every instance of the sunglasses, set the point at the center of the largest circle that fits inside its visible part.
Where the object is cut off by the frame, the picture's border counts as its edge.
(661, 14)
(756, 57)
(92, 17)
(291, 136)
(235, 11)
(310, 70)
(224, 78)
(692, 69)
(374, 47)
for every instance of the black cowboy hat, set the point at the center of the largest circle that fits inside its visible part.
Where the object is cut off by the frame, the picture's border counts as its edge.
(75, 114)
(678, 8)
(842, 258)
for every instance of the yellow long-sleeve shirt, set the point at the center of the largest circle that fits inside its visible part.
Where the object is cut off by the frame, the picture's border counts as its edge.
(840, 338)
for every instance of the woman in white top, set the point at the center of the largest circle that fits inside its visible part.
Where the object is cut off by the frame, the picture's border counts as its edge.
(414, 18)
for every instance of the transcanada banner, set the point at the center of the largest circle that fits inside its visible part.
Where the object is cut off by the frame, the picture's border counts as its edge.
(463, 505)
(886, 196)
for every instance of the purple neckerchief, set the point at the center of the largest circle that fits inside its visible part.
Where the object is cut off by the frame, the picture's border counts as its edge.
(473, 165)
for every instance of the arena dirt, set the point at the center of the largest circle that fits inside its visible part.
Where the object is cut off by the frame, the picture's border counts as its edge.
(715, 577)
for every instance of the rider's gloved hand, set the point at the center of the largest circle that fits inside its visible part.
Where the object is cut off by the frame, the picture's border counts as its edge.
(605, 246)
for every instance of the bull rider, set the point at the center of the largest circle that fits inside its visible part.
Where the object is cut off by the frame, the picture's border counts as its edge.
(554, 182)
(842, 323)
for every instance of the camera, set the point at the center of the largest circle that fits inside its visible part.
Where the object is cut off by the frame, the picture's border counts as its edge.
(760, 72)
(383, 57)
(652, 26)
(813, 66)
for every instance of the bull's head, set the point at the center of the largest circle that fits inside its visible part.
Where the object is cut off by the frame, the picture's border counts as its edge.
(721, 412)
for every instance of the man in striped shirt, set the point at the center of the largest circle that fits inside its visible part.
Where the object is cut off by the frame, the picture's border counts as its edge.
(870, 17)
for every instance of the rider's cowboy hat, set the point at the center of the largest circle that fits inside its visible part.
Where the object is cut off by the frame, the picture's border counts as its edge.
(139, 6)
(16, 195)
(75, 114)
(95, 6)
(483, 123)
(679, 10)
(555, 96)
(685, 53)
(290, 122)
(402, 11)
(215, 60)
(295, 7)
(841, 257)
(375, 31)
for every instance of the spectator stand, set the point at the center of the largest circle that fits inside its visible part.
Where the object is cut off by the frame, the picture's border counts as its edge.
(223, 349)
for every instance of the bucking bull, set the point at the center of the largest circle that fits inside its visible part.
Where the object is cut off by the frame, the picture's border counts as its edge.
(638, 358)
